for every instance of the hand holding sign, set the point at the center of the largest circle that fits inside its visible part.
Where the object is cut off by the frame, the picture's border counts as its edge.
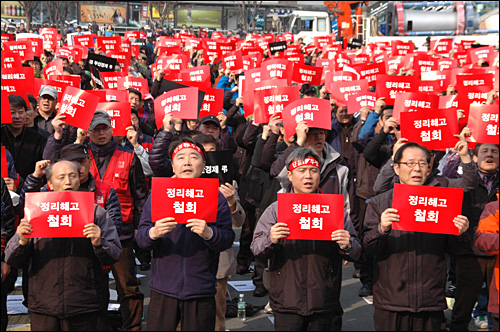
(93, 232)
(343, 238)
(23, 229)
(58, 124)
(387, 218)
(200, 227)
(279, 231)
(162, 227)
(462, 223)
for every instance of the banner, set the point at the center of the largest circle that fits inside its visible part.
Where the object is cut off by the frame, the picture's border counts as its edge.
(219, 165)
(434, 129)
(483, 124)
(360, 100)
(23, 48)
(311, 216)
(102, 63)
(306, 74)
(249, 104)
(71, 80)
(272, 101)
(369, 72)
(84, 40)
(119, 112)
(340, 91)
(123, 59)
(49, 38)
(184, 199)
(427, 209)
(401, 48)
(59, 214)
(277, 47)
(233, 62)
(314, 111)
(277, 68)
(414, 102)
(78, 106)
(212, 102)
(181, 103)
(389, 86)
(442, 46)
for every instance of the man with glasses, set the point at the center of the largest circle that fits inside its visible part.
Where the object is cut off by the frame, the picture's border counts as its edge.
(410, 272)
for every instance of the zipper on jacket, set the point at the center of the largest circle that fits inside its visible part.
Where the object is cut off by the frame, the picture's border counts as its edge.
(183, 263)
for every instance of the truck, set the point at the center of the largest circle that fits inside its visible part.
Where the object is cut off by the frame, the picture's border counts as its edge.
(308, 24)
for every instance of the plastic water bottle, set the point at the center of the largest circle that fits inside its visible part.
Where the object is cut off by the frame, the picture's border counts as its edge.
(242, 305)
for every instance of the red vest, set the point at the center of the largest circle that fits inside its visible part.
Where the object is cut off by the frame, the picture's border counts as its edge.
(101, 193)
(117, 176)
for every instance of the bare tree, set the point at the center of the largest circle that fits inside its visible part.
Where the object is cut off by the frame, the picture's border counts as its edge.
(249, 11)
(29, 8)
(58, 12)
(164, 8)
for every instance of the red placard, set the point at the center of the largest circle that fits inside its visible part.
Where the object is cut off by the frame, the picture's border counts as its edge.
(314, 111)
(322, 41)
(182, 103)
(15, 87)
(36, 45)
(64, 52)
(248, 104)
(25, 76)
(10, 60)
(401, 48)
(389, 86)
(483, 123)
(443, 77)
(433, 129)
(369, 71)
(128, 82)
(184, 199)
(232, 61)
(7, 37)
(450, 101)
(485, 53)
(212, 102)
(311, 216)
(123, 59)
(55, 67)
(119, 112)
(111, 78)
(414, 102)
(269, 37)
(84, 40)
(359, 100)
(394, 63)
(427, 209)
(442, 46)
(71, 80)
(420, 63)
(109, 44)
(306, 74)
(471, 96)
(277, 68)
(340, 91)
(60, 86)
(431, 87)
(24, 48)
(135, 34)
(202, 33)
(6, 116)
(78, 106)
(443, 64)
(272, 101)
(49, 38)
(59, 214)
(3, 161)
(466, 81)
(197, 74)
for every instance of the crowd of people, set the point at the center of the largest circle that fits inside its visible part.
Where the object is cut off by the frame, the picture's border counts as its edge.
(361, 157)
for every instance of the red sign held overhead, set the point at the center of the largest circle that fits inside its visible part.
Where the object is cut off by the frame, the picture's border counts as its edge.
(10, 60)
(341, 91)
(272, 101)
(111, 78)
(443, 64)
(109, 44)
(434, 129)
(123, 59)
(84, 40)
(55, 67)
(394, 63)
(483, 124)
(49, 38)
(307, 74)
(182, 103)
(232, 61)
(470, 96)
(314, 111)
(59, 214)
(71, 80)
(129, 82)
(78, 106)
(427, 209)
(466, 81)
(311, 216)
(442, 46)
(486, 53)
(401, 48)
(414, 102)
(119, 112)
(360, 100)
(23, 48)
(22, 80)
(389, 86)
(212, 102)
(184, 199)
(277, 69)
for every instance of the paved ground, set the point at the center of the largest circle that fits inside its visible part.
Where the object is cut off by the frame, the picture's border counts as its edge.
(358, 314)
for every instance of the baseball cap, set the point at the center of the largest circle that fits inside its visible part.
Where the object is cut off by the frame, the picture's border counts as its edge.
(143, 56)
(307, 89)
(73, 151)
(100, 117)
(210, 118)
(48, 90)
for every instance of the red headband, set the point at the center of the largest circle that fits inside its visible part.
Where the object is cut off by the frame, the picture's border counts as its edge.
(187, 145)
(307, 162)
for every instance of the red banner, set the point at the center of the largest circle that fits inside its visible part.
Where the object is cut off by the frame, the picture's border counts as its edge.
(3, 160)
(272, 101)
(431, 87)
(36, 45)
(111, 78)
(49, 38)
(443, 77)
(55, 67)
(6, 116)
(340, 91)
(109, 44)
(277, 68)
(442, 46)
(359, 100)
(135, 35)
(433, 129)
(483, 124)
(414, 102)
(184, 199)
(314, 111)
(321, 42)
(84, 40)
(420, 63)
(311, 216)
(401, 48)
(427, 209)
(59, 214)
(15, 87)
(182, 103)
(78, 106)
(7, 37)
(389, 86)
(212, 102)
(197, 74)
(128, 82)
(23, 48)
(119, 112)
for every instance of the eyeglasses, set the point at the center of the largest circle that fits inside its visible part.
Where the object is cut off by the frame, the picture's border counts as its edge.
(412, 164)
